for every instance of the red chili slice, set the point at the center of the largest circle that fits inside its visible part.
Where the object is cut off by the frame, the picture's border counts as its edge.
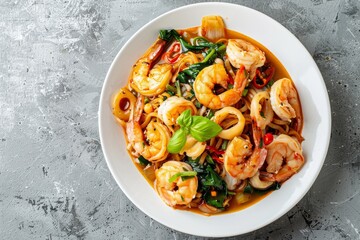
(214, 150)
(217, 158)
(172, 55)
(268, 138)
(263, 75)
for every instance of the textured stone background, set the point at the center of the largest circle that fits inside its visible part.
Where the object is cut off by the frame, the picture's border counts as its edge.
(54, 182)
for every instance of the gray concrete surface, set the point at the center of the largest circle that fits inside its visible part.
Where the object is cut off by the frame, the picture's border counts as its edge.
(54, 182)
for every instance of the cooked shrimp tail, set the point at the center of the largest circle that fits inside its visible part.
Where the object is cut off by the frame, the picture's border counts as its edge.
(146, 79)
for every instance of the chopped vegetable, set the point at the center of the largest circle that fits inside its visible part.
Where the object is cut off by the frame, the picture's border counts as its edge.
(197, 104)
(209, 159)
(224, 144)
(212, 27)
(213, 149)
(210, 181)
(218, 159)
(173, 54)
(210, 114)
(263, 75)
(268, 138)
(171, 89)
(245, 92)
(182, 174)
(261, 144)
(241, 198)
(178, 89)
(270, 83)
(143, 161)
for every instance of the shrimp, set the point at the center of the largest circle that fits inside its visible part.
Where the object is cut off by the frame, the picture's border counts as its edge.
(179, 192)
(261, 115)
(215, 74)
(241, 52)
(260, 109)
(172, 107)
(150, 81)
(285, 102)
(283, 148)
(154, 147)
(240, 161)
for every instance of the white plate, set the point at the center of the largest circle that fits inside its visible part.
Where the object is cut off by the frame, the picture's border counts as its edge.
(315, 104)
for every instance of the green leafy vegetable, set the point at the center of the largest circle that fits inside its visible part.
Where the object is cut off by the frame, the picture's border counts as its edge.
(270, 83)
(166, 35)
(216, 201)
(182, 174)
(261, 143)
(224, 145)
(143, 161)
(262, 114)
(185, 119)
(210, 114)
(213, 50)
(178, 89)
(171, 89)
(203, 129)
(197, 104)
(245, 92)
(248, 189)
(209, 159)
(210, 181)
(189, 74)
(177, 141)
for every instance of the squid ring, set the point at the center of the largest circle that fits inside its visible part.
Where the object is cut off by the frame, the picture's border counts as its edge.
(233, 131)
(122, 104)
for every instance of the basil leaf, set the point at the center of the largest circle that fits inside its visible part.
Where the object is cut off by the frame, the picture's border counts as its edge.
(202, 129)
(182, 174)
(177, 141)
(185, 119)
